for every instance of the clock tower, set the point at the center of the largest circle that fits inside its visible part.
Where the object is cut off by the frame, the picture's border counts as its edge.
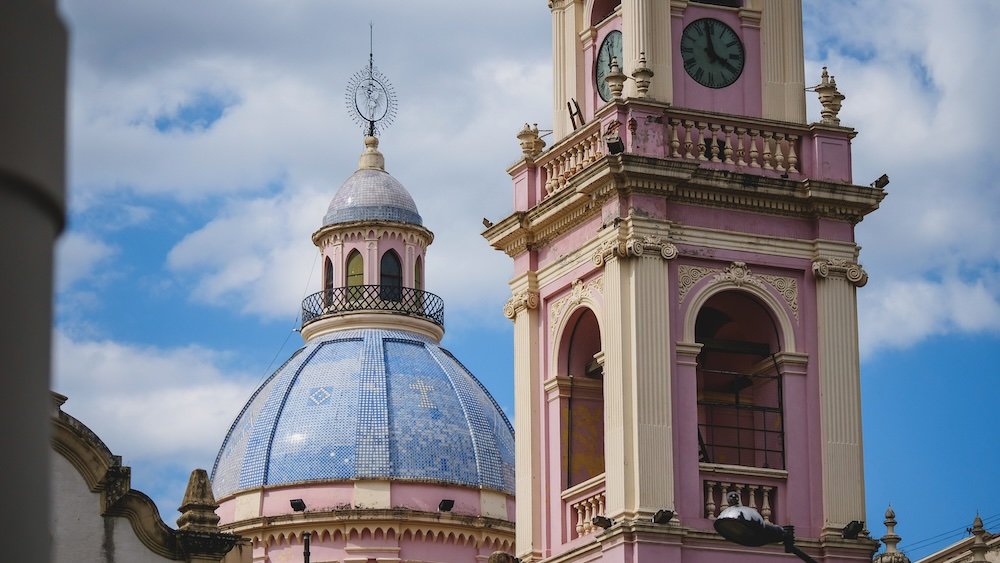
(684, 290)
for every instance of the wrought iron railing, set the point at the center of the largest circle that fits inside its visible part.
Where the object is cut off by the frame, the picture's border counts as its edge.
(360, 298)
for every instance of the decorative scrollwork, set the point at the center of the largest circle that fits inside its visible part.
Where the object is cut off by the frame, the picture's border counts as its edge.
(634, 247)
(579, 292)
(520, 302)
(852, 271)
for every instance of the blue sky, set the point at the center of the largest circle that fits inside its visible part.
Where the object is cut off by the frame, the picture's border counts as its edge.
(206, 140)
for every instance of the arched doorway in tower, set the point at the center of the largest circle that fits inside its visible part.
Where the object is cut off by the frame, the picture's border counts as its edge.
(582, 367)
(740, 411)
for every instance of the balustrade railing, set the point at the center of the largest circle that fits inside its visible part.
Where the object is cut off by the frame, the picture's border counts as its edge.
(360, 298)
(583, 502)
(758, 497)
(749, 145)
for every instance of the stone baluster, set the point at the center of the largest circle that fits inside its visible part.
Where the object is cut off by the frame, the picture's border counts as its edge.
(752, 496)
(767, 150)
(765, 505)
(710, 499)
(579, 518)
(753, 149)
(727, 153)
(740, 149)
(700, 139)
(779, 155)
(675, 142)
(793, 158)
(549, 171)
(688, 144)
(713, 142)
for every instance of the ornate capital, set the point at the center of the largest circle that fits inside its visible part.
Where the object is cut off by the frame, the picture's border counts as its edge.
(826, 267)
(635, 247)
(520, 301)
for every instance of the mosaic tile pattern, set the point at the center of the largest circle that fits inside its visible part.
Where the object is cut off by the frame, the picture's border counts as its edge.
(368, 404)
(372, 195)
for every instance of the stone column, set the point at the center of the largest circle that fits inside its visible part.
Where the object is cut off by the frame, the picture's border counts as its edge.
(840, 391)
(781, 57)
(565, 56)
(646, 29)
(639, 476)
(522, 308)
(32, 194)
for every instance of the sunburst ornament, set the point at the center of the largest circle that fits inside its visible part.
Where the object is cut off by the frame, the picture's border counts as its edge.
(371, 101)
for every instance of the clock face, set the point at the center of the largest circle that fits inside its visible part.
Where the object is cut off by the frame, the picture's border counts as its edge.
(610, 47)
(712, 52)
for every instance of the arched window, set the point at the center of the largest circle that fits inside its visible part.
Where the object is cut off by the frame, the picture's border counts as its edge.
(327, 280)
(602, 9)
(391, 277)
(418, 274)
(355, 274)
(581, 363)
(740, 417)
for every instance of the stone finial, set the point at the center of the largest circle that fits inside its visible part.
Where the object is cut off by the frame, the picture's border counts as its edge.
(198, 508)
(616, 79)
(371, 158)
(642, 75)
(531, 142)
(891, 539)
(500, 557)
(979, 542)
(830, 98)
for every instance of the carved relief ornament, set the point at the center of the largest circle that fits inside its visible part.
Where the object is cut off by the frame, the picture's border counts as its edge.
(827, 267)
(739, 274)
(580, 291)
(519, 302)
(634, 247)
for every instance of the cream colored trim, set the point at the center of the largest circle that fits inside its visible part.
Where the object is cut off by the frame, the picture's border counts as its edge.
(358, 230)
(594, 482)
(581, 294)
(382, 320)
(248, 504)
(739, 274)
(493, 504)
(742, 470)
(723, 283)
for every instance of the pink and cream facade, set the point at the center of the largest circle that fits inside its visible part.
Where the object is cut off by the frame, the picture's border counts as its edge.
(684, 297)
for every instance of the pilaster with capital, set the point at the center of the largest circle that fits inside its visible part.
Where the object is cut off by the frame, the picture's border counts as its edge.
(522, 308)
(837, 280)
(639, 477)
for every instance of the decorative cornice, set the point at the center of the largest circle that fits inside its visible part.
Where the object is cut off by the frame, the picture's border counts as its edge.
(852, 271)
(634, 246)
(519, 302)
(580, 291)
(338, 234)
(738, 274)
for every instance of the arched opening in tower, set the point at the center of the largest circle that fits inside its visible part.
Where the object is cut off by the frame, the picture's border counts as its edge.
(583, 409)
(740, 412)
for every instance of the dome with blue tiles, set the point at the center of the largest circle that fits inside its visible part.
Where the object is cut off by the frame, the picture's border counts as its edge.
(368, 404)
(371, 194)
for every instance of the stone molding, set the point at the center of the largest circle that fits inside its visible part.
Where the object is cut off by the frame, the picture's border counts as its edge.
(839, 267)
(581, 292)
(332, 235)
(738, 274)
(634, 247)
(519, 302)
(103, 473)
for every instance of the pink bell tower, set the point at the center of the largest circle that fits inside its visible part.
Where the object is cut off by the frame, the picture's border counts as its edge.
(683, 300)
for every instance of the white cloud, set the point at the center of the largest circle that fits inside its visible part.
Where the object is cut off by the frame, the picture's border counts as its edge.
(79, 257)
(155, 405)
(899, 314)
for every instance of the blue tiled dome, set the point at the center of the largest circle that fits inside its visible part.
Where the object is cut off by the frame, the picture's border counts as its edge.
(371, 194)
(368, 404)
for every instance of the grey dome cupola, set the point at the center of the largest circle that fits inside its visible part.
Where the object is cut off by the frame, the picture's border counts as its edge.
(371, 194)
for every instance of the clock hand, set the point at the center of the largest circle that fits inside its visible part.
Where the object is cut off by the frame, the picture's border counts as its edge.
(712, 55)
(728, 66)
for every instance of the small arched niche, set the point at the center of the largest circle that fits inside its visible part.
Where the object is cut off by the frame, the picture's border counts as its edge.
(582, 366)
(740, 411)
(390, 276)
(602, 9)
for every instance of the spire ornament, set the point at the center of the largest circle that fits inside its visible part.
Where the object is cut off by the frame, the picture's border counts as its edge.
(830, 98)
(891, 539)
(371, 100)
